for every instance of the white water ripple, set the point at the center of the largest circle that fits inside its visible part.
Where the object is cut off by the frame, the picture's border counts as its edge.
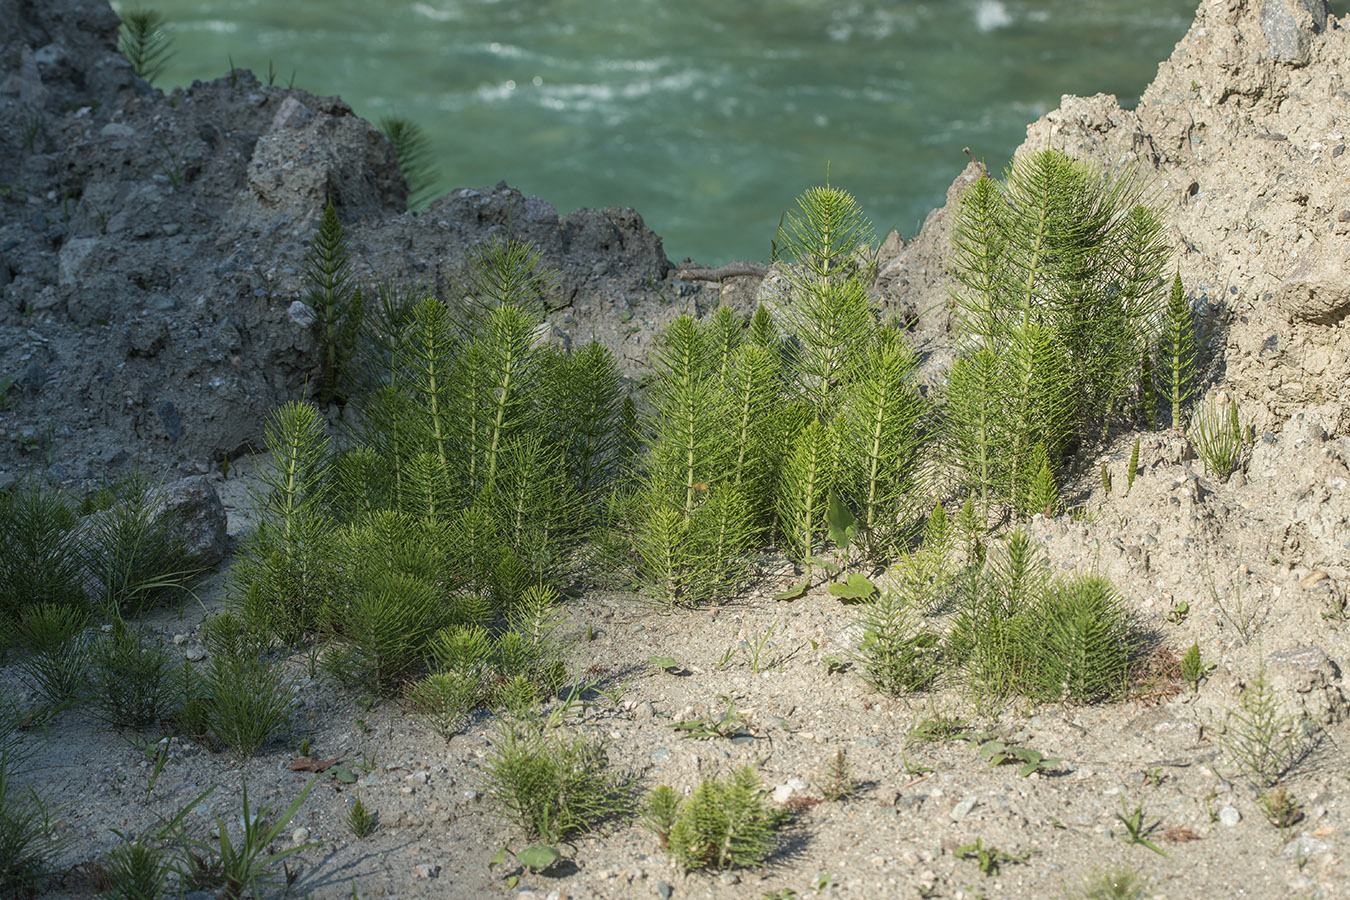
(991, 15)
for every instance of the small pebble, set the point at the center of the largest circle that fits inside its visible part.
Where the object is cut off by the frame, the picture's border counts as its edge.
(645, 710)
(963, 809)
(1303, 847)
(783, 792)
(426, 870)
(663, 890)
(1230, 816)
(195, 654)
(299, 835)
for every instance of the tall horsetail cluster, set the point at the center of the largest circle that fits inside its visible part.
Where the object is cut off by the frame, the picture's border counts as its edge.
(425, 551)
(428, 554)
(754, 426)
(1059, 317)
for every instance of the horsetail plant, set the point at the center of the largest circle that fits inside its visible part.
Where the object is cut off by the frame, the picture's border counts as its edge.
(1178, 349)
(413, 151)
(336, 301)
(1056, 270)
(142, 40)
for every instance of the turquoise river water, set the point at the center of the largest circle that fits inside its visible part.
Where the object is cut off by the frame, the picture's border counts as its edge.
(708, 116)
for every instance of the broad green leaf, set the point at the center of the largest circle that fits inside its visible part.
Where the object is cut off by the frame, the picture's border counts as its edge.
(538, 857)
(791, 593)
(843, 524)
(498, 858)
(856, 587)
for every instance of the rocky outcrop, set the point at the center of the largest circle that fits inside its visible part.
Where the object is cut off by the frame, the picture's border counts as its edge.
(152, 246)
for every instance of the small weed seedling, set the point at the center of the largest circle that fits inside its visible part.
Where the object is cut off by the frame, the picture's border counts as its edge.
(1179, 611)
(1338, 603)
(360, 819)
(536, 858)
(1194, 668)
(937, 728)
(729, 724)
(839, 782)
(987, 859)
(757, 651)
(1137, 831)
(998, 752)
(1113, 884)
(613, 694)
(1134, 467)
(1281, 809)
(157, 754)
(666, 664)
(824, 882)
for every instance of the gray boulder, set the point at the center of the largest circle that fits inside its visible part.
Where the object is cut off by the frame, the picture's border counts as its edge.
(197, 506)
(1289, 26)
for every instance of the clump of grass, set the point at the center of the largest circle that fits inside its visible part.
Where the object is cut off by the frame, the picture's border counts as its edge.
(136, 556)
(1281, 808)
(1137, 827)
(135, 681)
(1115, 883)
(246, 702)
(54, 650)
(1216, 434)
(725, 823)
(551, 785)
(245, 864)
(39, 564)
(26, 841)
(136, 869)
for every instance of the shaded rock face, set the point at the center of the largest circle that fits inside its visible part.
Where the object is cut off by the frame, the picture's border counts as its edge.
(1243, 134)
(152, 250)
